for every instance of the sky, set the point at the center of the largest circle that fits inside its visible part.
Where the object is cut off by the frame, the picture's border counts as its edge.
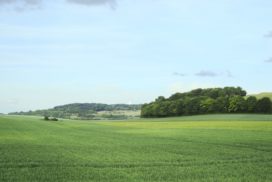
(55, 52)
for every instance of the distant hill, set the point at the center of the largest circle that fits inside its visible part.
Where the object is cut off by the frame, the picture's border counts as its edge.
(262, 95)
(88, 111)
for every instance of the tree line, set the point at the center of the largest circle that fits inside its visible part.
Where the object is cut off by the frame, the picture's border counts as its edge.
(83, 111)
(206, 101)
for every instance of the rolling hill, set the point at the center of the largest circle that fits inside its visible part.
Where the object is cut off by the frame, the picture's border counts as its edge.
(88, 111)
(263, 94)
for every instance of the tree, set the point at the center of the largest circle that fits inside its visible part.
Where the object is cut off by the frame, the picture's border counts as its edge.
(146, 110)
(173, 108)
(208, 105)
(241, 92)
(192, 105)
(222, 104)
(196, 93)
(264, 105)
(202, 101)
(160, 99)
(46, 118)
(161, 109)
(180, 107)
(237, 104)
(251, 104)
(213, 93)
(231, 91)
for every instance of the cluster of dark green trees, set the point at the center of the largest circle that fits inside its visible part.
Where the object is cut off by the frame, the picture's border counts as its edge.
(207, 101)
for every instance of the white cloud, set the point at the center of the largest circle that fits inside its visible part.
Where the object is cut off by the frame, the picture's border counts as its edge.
(206, 73)
(179, 74)
(111, 3)
(21, 5)
(268, 35)
(268, 60)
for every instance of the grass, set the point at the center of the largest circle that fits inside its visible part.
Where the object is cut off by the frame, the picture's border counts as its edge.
(198, 148)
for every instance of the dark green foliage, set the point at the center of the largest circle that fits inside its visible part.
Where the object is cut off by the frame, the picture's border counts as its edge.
(237, 104)
(192, 105)
(46, 118)
(54, 119)
(221, 104)
(264, 105)
(251, 104)
(206, 101)
(208, 105)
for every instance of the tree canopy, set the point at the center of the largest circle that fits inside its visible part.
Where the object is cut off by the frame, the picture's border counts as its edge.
(207, 101)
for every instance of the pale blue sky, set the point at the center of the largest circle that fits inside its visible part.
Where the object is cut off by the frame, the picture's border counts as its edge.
(56, 52)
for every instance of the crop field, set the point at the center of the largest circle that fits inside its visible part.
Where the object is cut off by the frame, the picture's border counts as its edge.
(198, 148)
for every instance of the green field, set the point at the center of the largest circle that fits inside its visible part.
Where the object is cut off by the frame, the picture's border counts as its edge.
(199, 148)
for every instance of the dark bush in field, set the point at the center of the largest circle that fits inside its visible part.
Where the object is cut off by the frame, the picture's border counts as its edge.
(46, 118)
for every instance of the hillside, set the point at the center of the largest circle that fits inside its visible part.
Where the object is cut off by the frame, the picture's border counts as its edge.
(262, 95)
(88, 111)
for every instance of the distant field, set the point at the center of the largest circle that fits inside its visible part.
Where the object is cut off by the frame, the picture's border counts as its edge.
(217, 117)
(194, 148)
(126, 114)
